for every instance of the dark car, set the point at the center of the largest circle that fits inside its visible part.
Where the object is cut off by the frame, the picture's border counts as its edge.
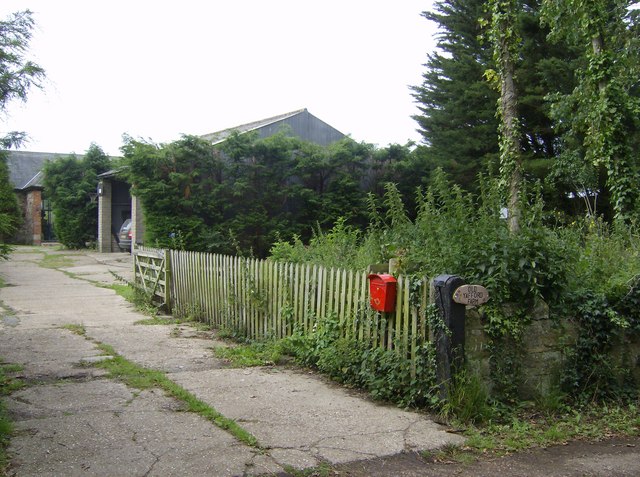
(124, 236)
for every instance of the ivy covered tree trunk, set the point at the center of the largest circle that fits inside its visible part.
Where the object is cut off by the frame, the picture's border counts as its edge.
(505, 41)
(510, 159)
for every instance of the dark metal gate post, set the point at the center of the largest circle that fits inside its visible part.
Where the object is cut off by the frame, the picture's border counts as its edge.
(449, 333)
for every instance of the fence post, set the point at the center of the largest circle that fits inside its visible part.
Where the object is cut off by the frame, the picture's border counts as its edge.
(168, 282)
(449, 332)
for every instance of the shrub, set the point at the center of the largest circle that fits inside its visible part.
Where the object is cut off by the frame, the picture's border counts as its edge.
(68, 182)
(586, 271)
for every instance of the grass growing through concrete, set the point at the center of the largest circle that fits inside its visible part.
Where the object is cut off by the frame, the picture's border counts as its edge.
(7, 386)
(55, 261)
(254, 354)
(76, 329)
(142, 378)
(139, 377)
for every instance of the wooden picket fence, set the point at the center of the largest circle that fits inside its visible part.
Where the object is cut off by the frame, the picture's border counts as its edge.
(267, 299)
(262, 299)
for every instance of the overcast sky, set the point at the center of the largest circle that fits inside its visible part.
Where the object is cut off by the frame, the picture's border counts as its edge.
(159, 69)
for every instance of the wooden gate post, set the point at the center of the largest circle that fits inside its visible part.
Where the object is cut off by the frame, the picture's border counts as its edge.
(168, 282)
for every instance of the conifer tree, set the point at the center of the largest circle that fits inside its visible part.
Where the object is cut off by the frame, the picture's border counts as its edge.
(457, 105)
(69, 182)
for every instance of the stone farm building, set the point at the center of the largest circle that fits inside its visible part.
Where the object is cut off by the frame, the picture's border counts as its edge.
(25, 174)
(114, 199)
(115, 202)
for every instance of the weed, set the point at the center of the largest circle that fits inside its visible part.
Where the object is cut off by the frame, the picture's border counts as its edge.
(254, 354)
(75, 329)
(8, 385)
(468, 399)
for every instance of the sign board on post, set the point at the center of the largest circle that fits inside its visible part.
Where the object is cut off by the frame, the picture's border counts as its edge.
(471, 295)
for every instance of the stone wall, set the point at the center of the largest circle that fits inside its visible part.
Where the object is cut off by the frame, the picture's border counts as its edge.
(542, 350)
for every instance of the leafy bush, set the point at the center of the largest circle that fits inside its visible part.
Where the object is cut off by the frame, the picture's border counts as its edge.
(10, 216)
(245, 194)
(69, 182)
(385, 374)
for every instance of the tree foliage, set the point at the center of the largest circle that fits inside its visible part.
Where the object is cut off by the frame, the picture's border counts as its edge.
(69, 182)
(246, 193)
(457, 104)
(10, 216)
(599, 119)
(17, 76)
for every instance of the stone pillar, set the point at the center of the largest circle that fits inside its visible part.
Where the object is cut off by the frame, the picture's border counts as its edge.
(137, 221)
(104, 218)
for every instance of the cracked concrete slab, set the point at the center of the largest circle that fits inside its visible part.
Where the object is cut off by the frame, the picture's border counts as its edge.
(76, 422)
(296, 411)
(47, 354)
(103, 428)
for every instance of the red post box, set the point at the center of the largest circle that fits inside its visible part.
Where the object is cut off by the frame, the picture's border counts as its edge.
(382, 291)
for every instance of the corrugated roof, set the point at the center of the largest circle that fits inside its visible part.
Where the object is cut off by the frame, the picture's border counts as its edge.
(219, 136)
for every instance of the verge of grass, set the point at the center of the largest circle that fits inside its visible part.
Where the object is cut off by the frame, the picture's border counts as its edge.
(157, 320)
(522, 431)
(135, 296)
(142, 378)
(7, 386)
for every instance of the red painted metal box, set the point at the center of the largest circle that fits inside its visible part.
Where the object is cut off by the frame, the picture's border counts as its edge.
(382, 291)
